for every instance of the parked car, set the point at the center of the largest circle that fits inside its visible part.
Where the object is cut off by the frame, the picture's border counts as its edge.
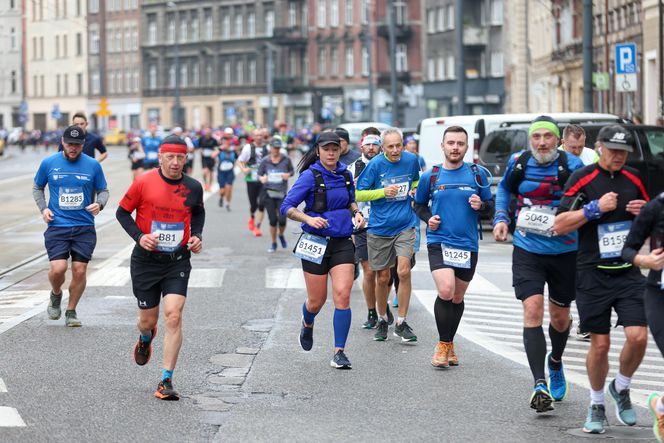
(116, 137)
(477, 126)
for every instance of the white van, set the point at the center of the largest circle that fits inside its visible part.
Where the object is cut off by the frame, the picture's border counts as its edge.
(431, 129)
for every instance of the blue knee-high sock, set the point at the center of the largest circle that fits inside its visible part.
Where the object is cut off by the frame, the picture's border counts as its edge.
(341, 321)
(308, 316)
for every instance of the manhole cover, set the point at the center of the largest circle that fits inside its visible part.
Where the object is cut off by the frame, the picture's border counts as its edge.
(621, 433)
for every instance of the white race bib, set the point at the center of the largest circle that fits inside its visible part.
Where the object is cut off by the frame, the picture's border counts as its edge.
(311, 248)
(611, 238)
(457, 258)
(537, 220)
(70, 199)
(402, 183)
(207, 152)
(254, 175)
(225, 166)
(170, 235)
(275, 177)
(152, 155)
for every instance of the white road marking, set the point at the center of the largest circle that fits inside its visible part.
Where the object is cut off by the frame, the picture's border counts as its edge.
(37, 300)
(9, 417)
(206, 278)
(110, 276)
(3, 386)
(284, 278)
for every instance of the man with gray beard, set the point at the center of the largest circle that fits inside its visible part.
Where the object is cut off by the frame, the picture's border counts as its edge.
(536, 177)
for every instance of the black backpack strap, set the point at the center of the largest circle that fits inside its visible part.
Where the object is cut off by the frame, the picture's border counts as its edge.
(320, 193)
(563, 169)
(435, 170)
(518, 173)
(252, 156)
(348, 178)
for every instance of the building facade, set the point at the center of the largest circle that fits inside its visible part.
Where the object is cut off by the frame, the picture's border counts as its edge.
(56, 62)
(114, 64)
(11, 88)
(652, 110)
(483, 41)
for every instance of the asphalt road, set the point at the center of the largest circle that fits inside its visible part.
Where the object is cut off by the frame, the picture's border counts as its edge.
(242, 374)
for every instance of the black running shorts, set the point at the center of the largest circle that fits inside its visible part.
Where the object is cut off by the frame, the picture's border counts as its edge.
(531, 271)
(436, 262)
(155, 275)
(339, 251)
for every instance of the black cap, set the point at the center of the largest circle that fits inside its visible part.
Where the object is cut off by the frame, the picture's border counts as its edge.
(276, 142)
(616, 137)
(342, 133)
(74, 135)
(327, 138)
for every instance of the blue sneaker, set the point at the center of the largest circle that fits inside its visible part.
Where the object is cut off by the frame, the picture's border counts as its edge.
(282, 239)
(595, 421)
(541, 400)
(306, 337)
(624, 410)
(340, 361)
(272, 248)
(558, 385)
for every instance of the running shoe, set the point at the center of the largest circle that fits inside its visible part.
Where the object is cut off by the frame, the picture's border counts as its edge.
(440, 357)
(381, 330)
(541, 400)
(306, 336)
(143, 350)
(71, 320)
(390, 316)
(250, 224)
(53, 310)
(282, 239)
(228, 208)
(405, 332)
(165, 391)
(221, 202)
(257, 232)
(658, 419)
(452, 357)
(582, 336)
(340, 361)
(372, 319)
(272, 248)
(624, 411)
(596, 419)
(558, 385)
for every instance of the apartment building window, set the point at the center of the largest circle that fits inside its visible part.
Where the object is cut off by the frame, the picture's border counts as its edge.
(64, 8)
(94, 6)
(135, 88)
(41, 48)
(334, 62)
(209, 30)
(111, 82)
(195, 75)
(350, 68)
(451, 75)
(497, 64)
(64, 46)
(65, 84)
(431, 21)
(334, 13)
(79, 44)
(496, 12)
(292, 63)
(238, 24)
(57, 46)
(252, 72)
(41, 85)
(227, 73)
(322, 68)
(170, 28)
(431, 69)
(171, 76)
(34, 85)
(184, 75)
(401, 55)
(400, 12)
(152, 76)
(365, 61)
(348, 13)
(364, 12)
(152, 30)
(239, 72)
(440, 22)
(12, 39)
(321, 13)
(57, 85)
(225, 25)
(118, 40)
(440, 71)
(450, 17)
(14, 82)
(34, 48)
(127, 38)
(12, 4)
(79, 84)
(208, 74)
(94, 79)
(94, 39)
(184, 28)
(127, 80)
(269, 22)
(194, 27)
(292, 14)
(78, 8)
(57, 10)
(251, 24)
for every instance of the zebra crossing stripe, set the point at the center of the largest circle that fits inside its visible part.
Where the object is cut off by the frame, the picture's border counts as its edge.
(3, 387)
(9, 417)
(284, 278)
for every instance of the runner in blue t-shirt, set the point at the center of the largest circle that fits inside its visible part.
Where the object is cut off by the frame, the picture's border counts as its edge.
(458, 191)
(151, 145)
(73, 181)
(537, 177)
(388, 182)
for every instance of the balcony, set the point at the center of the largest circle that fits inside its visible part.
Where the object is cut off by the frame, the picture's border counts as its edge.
(403, 31)
(402, 77)
(475, 36)
(289, 85)
(570, 52)
(289, 36)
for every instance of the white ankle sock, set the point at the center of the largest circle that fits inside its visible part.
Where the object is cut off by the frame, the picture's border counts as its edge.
(622, 382)
(660, 406)
(384, 317)
(400, 320)
(596, 397)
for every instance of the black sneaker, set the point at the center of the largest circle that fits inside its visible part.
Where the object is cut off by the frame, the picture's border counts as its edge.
(405, 332)
(165, 391)
(306, 337)
(381, 330)
(372, 319)
(221, 202)
(71, 320)
(390, 317)
(143, 350)
(53, 309)
(340, 361)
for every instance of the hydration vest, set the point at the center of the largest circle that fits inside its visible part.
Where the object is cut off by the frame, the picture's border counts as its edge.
(320, 191)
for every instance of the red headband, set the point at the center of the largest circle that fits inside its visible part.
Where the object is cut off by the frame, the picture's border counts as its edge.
(173, 147)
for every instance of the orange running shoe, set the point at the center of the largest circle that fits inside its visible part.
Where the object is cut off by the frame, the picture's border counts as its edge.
(250, 224)
(143, 350)
(258, 232)
(165, 391)
(440, 357)
(452, 357)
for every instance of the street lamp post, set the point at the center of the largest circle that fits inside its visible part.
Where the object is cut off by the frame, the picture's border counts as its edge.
(176, 93)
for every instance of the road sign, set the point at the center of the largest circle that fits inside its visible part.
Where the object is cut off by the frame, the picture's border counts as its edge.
(626, 58)
(626, 83)
(601, 81)
(103, 108)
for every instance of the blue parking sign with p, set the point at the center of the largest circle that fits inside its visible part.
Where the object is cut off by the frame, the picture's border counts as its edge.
(626, 58)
